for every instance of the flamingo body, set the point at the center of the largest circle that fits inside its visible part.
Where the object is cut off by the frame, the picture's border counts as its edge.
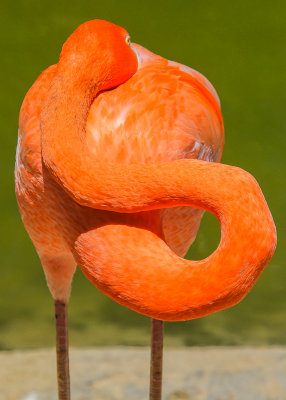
(116, 161)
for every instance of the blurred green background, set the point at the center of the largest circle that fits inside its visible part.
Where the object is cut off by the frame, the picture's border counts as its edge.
(240, 47)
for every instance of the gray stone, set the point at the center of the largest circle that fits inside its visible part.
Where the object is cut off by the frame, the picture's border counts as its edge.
(122, 373)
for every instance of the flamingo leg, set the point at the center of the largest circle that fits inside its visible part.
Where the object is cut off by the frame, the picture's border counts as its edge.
(62, 347)
(156, 359)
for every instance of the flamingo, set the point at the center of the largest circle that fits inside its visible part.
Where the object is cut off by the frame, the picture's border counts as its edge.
(118, 156)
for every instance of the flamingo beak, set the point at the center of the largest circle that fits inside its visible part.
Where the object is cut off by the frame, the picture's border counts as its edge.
(143, 55)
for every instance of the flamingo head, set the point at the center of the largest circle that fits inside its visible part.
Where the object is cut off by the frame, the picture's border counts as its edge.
(101, 49)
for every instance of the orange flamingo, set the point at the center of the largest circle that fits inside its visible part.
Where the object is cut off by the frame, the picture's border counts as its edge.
(113, 173)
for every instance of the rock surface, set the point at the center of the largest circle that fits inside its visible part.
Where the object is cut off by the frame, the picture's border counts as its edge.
(123, 374)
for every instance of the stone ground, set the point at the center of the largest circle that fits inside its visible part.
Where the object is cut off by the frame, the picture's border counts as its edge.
(122, 374)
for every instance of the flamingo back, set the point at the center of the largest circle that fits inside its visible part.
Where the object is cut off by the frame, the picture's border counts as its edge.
(165, 112)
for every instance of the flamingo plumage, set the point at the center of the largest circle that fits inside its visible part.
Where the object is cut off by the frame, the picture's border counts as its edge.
(118, 157)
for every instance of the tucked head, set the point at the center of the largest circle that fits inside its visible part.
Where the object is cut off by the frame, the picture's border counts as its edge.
(101, 49)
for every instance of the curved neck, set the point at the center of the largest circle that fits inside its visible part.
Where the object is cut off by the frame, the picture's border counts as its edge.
(248, 232)
(65, 111)
(137, 269)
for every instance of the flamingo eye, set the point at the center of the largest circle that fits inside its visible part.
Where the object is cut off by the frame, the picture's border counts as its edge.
(128, 40)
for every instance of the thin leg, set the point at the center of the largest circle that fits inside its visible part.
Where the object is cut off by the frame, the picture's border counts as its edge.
(62, 344)
(156, 359)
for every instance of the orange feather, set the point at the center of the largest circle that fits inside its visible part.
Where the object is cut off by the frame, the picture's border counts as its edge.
(118, 156)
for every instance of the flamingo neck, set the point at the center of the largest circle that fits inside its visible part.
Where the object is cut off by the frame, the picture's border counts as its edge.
(248, 233)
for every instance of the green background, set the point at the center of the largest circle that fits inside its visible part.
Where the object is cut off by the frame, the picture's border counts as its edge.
(240, 47)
